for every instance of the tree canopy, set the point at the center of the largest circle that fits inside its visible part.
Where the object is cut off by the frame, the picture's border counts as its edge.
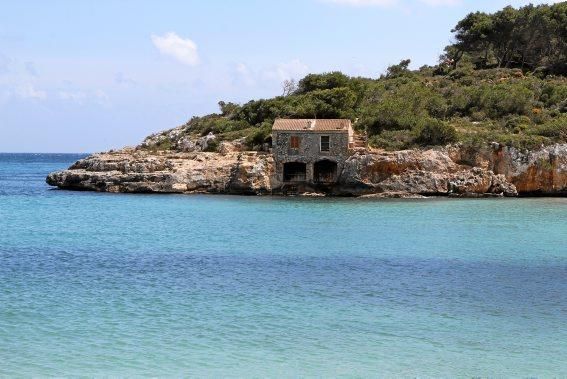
(529, 38)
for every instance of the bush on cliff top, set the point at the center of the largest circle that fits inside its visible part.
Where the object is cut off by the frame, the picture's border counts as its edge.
(430, 131)
(556, 128)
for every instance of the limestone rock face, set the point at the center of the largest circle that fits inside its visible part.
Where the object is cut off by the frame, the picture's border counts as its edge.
(226, 147)
(372, 168)
(533, 172)
(423, 172)
(139, 171)
(480, 181)
(451, 171)
(540, 172)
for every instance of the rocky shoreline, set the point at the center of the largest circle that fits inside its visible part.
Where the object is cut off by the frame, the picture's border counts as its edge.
(448, 171)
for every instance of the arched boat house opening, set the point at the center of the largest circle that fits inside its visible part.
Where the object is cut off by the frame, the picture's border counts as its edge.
(294, 172)
(325, 171)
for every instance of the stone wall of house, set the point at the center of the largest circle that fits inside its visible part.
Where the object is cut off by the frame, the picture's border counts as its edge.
(308, 152)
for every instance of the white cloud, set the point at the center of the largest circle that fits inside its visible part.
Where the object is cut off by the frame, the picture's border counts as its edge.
(241, 68)
(101, 97)
(83, 96)
(75, 96)
(27, 91)
(100, 94)
(270, 77)
(184, 50)
(242, 74)
(294, 69)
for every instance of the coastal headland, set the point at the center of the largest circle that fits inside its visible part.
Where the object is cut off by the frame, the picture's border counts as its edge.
(442, 171)
(489, 119)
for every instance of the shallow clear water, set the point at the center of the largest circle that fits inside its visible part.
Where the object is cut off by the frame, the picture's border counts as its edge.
(166, 285)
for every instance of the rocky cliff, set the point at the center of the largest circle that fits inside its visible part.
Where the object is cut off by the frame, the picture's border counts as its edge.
(451, 171)
(133, 171)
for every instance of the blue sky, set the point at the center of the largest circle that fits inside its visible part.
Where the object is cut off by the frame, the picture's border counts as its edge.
(86, 76)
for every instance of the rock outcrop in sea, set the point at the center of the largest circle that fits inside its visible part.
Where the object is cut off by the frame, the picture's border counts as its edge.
(456, 171)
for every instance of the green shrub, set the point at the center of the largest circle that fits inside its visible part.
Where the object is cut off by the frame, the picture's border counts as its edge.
(222, 125)
(164, 144)
(503, 99)
(393, 140)
(495, 100)
(259, 136)
(314, 82)
(435, 132)
(556, 129)
(327, 103)
(212, 145)
(401, 107)
(399, 70)
(523, 141)
(214, 123)
(478, 116)
(465, 69)
(482, 136)
(517, 124)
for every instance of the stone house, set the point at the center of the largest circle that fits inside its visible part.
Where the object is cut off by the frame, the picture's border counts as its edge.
(310, 152)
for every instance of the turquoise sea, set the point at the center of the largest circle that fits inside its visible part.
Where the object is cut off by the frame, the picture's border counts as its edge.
(95, 284)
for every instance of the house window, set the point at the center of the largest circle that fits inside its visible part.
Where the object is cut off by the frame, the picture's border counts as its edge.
(325, 143)
(294, 142)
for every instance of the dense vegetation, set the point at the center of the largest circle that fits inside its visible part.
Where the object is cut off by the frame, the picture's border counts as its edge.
(502, 80)
(531, 37)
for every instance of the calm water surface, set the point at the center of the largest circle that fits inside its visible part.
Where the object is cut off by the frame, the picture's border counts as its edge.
(148, 285)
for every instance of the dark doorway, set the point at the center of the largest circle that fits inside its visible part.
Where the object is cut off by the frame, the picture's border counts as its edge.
(294, 171)
(325, 171)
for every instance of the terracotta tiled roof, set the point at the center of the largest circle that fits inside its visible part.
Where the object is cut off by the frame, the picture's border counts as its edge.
(311, 124)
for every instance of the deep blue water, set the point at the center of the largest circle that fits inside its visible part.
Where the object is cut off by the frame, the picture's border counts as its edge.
(171, 285)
